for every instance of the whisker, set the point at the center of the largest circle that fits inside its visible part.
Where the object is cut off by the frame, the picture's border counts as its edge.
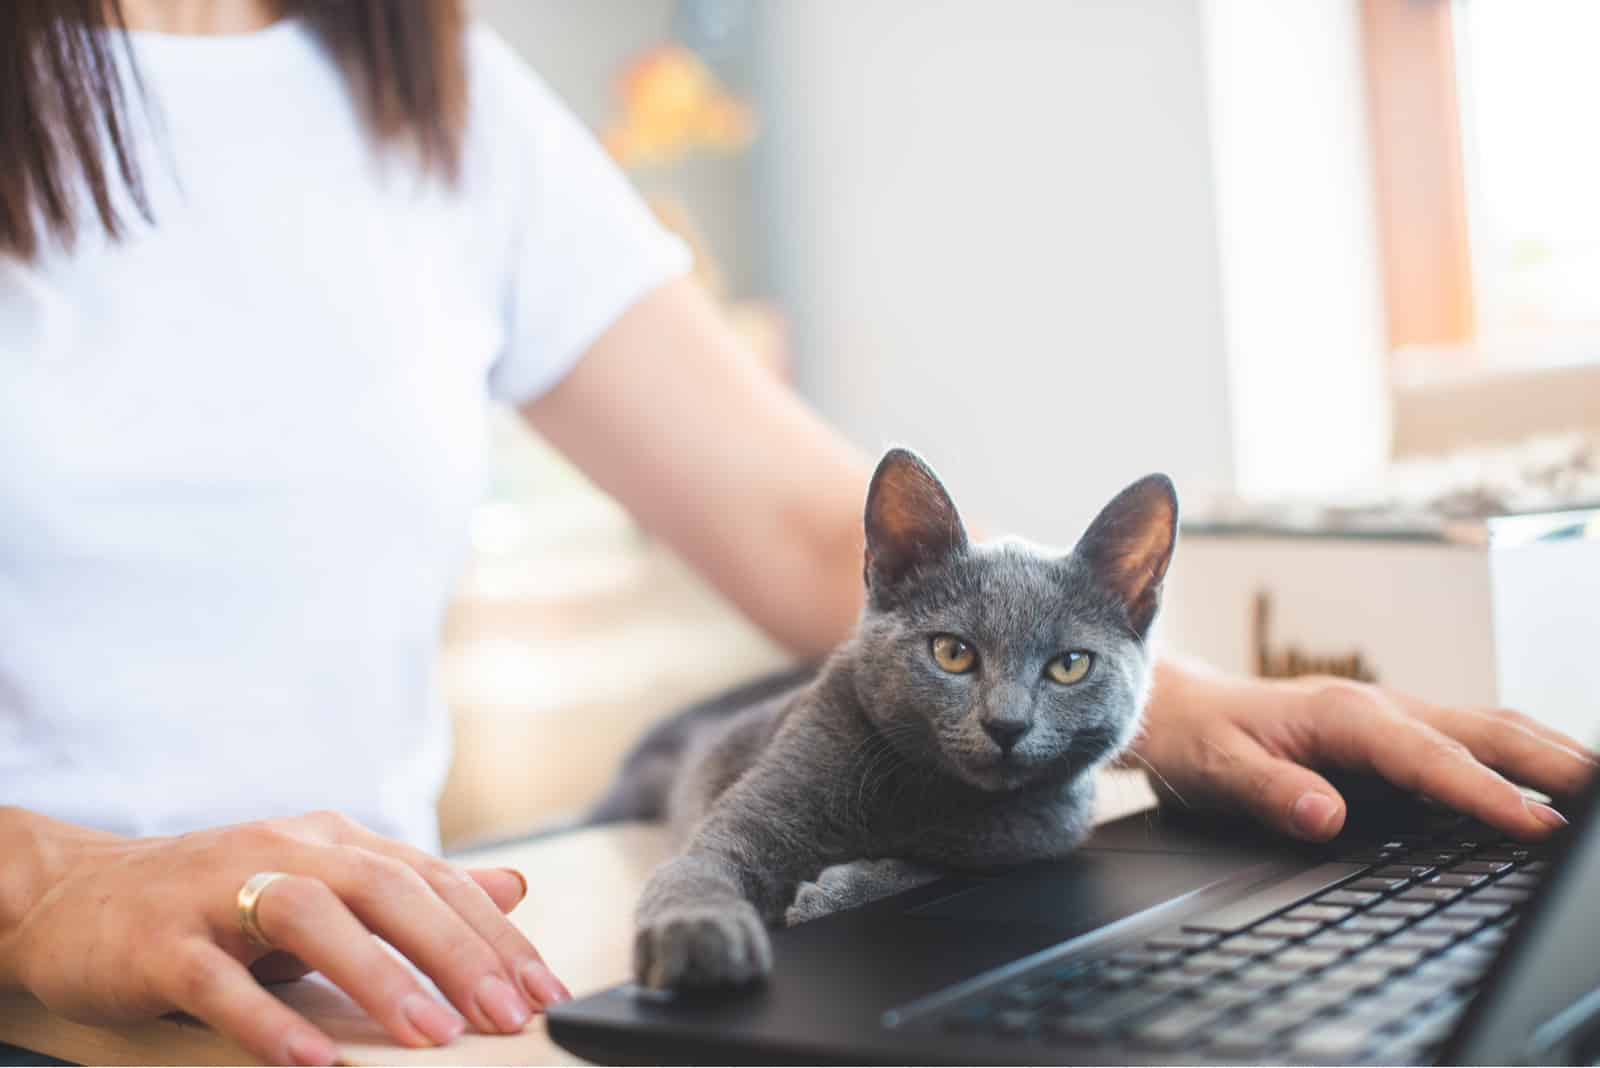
(1164, 781)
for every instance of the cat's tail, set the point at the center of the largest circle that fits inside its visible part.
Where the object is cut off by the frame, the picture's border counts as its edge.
(644, 783)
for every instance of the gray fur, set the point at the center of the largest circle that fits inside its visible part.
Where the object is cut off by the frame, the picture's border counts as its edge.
(879, 773)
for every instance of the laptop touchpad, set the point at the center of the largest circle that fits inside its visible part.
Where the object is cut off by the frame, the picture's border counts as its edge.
(1087, 890)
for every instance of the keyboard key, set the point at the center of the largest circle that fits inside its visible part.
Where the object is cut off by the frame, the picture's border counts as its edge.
(1340, 939)
(1404, 909)
(1437, 895)
(1510, 895)
(1175, 981)
(1352, 977)
(1483, 867)
(1276, 1017)
(1265, 976)
(1377, 886)
(1285, 929)
(1250, 945)
(1211, 962)
(1404, 871)
(1370, 924)
(1522, 878)
(1179, 1027)
(1349, 899)
(1305, 958)
(1315, 994)
(1116, 975)
(1489, 910)
(1262, 904)
(1448, 923)
(1435, 859)
(1398, 958)
(1338, 1042)
(1490, 936)
(1428, 941)
(1508, 853)
(1434, 1024)
(1227, 996)
(1535, 867)
(1460, 880)
(1318, 914)
(1451, 973)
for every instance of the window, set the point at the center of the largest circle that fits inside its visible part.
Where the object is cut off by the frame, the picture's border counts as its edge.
(1529, 86)
(1486, 182)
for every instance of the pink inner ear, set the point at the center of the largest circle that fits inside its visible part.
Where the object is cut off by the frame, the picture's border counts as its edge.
(1144, 558)
(1142, 555)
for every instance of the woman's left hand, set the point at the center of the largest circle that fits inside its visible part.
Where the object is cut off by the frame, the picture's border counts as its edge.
(1250, 743)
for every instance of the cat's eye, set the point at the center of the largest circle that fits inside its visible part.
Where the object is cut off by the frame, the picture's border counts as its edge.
(1070, 667)
(953, 655)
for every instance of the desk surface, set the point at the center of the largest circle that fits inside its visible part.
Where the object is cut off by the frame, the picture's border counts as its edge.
(578, 911)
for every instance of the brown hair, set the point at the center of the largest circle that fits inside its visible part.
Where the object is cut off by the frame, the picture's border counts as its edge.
(63, 109)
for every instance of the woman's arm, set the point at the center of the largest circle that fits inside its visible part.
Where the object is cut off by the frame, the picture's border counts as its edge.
(669, 415)
(666, 413)
(103, 928)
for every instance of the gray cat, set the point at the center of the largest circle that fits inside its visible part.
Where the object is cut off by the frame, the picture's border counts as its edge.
(959, 728)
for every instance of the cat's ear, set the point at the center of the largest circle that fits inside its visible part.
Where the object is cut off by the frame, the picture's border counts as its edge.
(911, 521)
(1129, 546)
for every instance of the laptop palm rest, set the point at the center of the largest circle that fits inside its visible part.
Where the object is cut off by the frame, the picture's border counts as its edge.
(1086, 891)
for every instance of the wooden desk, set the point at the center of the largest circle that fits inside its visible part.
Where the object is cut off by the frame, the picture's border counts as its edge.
(578, 912)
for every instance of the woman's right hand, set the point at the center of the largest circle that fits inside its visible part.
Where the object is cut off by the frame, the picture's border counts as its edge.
(132, 928)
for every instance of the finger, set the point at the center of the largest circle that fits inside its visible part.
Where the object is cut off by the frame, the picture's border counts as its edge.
(505, 886)
(1515, 744)
(304, 917)
(471, 896)
(1368, 732)
(211, 986)
(1280, 793)
(397, 903)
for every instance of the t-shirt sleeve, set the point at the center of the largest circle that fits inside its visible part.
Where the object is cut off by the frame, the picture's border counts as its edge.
(583, 246)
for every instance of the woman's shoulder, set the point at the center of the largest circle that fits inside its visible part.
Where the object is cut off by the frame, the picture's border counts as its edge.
(502, 88)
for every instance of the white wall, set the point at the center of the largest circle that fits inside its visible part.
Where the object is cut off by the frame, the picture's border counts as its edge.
(1303, 308)
(996, 229)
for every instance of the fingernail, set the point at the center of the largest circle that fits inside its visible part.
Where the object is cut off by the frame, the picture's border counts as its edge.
(521, 879)
(1314, 815)
(310, 1049)
(502, 1005)
(437, 1023)
(1546, 815)
(540, 984)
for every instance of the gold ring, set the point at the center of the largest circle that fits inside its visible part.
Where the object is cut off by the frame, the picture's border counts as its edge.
(249, 900)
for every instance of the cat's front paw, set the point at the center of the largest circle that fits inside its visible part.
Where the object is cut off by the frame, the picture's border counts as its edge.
(812, 901)
(702, 945)
(845, 886)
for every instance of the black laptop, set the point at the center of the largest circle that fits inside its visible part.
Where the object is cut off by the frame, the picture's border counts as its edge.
(1426, 938)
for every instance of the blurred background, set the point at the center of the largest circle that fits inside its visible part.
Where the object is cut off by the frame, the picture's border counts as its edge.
(1332, 251)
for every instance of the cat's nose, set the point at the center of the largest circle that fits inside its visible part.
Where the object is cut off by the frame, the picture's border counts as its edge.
(1005, 731)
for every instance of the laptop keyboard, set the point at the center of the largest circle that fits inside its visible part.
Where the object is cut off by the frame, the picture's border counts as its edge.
(1329, 966)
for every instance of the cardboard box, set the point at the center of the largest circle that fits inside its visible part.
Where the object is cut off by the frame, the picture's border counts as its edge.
(1503, 611)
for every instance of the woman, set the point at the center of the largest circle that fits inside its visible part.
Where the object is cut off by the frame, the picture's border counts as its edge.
(263, 266)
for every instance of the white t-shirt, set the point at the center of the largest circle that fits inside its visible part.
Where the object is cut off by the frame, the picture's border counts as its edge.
(239, 449)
